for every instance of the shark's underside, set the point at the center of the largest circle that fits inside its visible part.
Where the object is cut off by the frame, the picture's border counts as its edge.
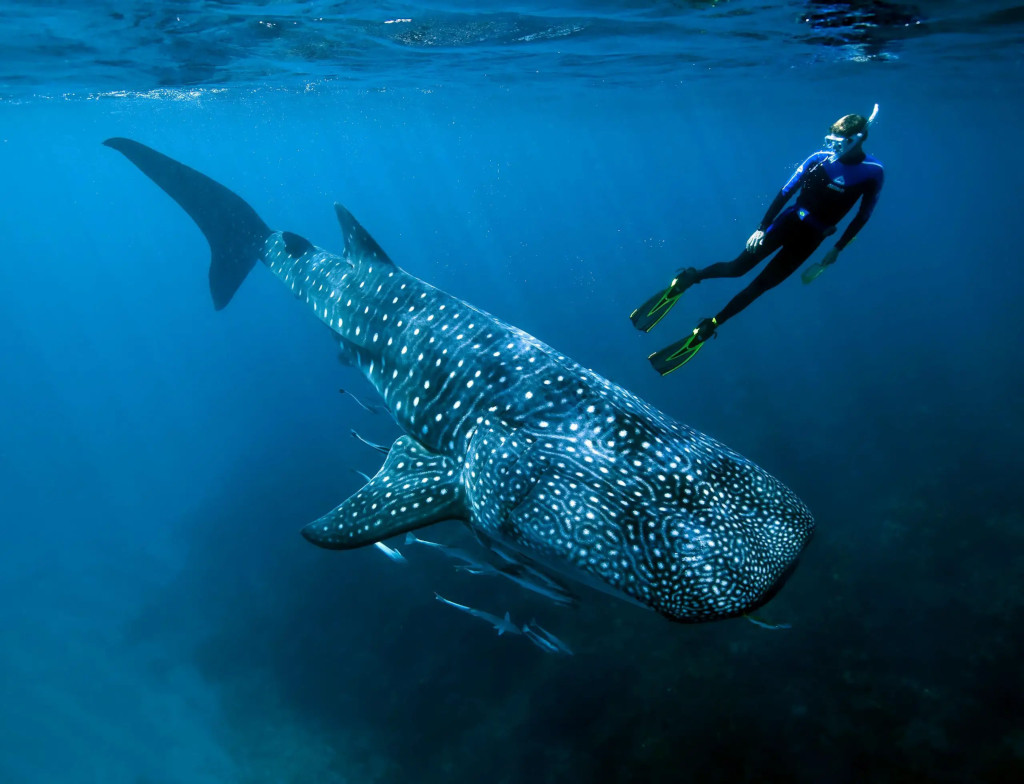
(521, 443)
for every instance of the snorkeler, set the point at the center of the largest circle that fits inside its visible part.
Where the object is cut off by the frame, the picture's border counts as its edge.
(830, 182)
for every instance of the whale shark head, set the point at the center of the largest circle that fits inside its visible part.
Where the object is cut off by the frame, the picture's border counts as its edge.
(650, 508)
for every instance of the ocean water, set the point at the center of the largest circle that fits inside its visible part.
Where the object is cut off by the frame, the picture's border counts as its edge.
(161, 618)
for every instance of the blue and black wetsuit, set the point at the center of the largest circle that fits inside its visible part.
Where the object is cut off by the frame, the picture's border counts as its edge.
(828, 190)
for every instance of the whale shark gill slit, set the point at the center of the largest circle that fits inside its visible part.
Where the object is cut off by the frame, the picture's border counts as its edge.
(508, 435)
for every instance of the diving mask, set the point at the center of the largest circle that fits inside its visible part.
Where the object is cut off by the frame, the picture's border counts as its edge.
(842, 145)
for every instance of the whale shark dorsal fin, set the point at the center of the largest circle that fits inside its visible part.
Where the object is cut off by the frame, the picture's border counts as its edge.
(415, 487)
(359, 245)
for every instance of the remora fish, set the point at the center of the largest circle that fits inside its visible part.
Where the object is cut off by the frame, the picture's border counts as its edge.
(390, 552)
(379, 447)
(471, 562)
(529, 578)
(366, 477)
(544, 639)
(501, 625)
(367, 407)
(508, 435)
(521, 574)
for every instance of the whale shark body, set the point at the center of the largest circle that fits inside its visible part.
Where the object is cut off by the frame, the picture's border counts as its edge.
(521, 443)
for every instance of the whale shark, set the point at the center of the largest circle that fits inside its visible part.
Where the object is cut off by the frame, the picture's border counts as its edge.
(522, 444)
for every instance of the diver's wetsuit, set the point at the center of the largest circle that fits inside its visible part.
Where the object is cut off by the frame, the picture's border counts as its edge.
(828, 189)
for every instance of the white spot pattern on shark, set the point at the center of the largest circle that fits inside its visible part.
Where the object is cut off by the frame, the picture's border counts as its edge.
(505, 433)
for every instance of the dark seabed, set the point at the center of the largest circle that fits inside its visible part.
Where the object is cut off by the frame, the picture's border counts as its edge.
(161, 618)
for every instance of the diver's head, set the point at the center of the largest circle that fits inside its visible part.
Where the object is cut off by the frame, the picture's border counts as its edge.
(847, 135)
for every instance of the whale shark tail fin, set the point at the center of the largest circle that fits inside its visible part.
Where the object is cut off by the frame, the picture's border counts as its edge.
(359, 245)
(235, 232)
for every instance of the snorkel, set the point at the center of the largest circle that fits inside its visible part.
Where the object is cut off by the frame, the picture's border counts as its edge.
(841, 146)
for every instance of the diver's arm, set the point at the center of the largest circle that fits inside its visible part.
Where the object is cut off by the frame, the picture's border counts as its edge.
(867, 206)
(773, 210)
(832, 256)
(757, 237)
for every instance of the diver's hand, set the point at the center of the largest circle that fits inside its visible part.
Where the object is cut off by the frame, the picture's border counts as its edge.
(755, 239)
(830, 257)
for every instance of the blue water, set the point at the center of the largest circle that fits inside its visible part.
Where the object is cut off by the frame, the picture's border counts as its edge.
(161, 619)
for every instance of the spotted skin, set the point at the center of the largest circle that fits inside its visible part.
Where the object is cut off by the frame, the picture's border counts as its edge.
(533, 450)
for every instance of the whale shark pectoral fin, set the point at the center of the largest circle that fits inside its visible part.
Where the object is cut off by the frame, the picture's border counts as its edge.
(358, 242)
(415, 487)
(235, 232)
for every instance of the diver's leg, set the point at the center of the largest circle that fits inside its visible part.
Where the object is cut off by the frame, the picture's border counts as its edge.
(736, 268)
(649, 314)
(747, 260)
(786, 262)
